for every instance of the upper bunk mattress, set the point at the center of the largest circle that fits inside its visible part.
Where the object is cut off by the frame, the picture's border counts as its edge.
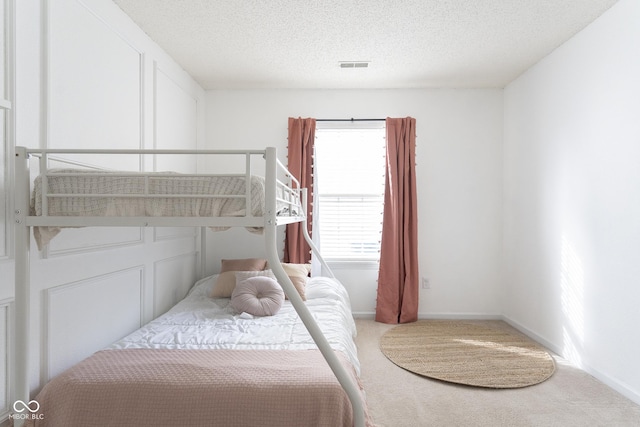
(82, 193)
(88, 193)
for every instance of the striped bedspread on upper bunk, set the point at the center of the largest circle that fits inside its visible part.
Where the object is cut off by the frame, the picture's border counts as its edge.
(76, 192)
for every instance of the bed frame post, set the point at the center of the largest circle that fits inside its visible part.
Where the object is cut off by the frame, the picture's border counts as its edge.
(22, 283)
(270, 226)
(203, 252)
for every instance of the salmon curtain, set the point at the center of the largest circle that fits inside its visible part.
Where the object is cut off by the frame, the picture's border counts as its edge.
(302, 133)
(397, 298)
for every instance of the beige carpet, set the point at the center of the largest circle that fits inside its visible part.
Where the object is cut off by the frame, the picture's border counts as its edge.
(399, 398)
(467, 353)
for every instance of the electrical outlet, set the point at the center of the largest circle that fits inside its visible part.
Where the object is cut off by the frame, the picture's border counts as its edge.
(425, 283)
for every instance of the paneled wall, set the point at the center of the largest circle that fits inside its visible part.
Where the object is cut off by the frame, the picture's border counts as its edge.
(5, 335)
(89, 78)
(6, 139)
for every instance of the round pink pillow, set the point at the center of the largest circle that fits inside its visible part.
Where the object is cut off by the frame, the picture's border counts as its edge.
(260, 296)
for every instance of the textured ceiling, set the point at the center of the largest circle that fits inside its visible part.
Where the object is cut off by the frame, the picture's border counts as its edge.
(409, 43)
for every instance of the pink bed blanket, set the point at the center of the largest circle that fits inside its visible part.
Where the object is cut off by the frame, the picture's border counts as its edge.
(166, 387)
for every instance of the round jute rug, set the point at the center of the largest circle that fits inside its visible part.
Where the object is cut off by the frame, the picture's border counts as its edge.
(468, 353)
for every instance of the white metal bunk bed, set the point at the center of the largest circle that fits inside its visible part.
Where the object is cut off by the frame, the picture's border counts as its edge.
(278, 192)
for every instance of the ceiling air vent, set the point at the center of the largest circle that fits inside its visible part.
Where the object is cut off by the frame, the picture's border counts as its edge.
(354, 64)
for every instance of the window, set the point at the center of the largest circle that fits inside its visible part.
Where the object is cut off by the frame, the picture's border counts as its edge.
(349, 170)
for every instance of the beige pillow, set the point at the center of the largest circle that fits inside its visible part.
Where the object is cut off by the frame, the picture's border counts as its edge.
(297, 269)
(224, 285)
(298, 273)
(247, 264)
(227, 280)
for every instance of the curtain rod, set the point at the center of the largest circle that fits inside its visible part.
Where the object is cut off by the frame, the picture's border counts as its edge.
(350, 120)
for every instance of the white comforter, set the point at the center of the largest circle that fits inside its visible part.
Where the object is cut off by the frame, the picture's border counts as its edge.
(200, 322)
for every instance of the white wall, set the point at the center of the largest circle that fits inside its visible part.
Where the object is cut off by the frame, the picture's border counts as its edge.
(572, 199)
(97, 82)
(459, 173)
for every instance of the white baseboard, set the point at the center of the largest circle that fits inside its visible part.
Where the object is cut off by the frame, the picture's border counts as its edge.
(459, 316)
(528, 332)
(613, 383)
(616, 385)
(444, 316)
(364, 314)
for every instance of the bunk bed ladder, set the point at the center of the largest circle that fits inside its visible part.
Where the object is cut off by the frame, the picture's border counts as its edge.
(270, 226)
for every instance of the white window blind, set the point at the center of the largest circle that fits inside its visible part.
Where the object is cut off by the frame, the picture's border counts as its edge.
(349, 174)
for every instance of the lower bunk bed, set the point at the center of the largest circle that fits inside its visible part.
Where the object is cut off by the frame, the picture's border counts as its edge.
(205, 363)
